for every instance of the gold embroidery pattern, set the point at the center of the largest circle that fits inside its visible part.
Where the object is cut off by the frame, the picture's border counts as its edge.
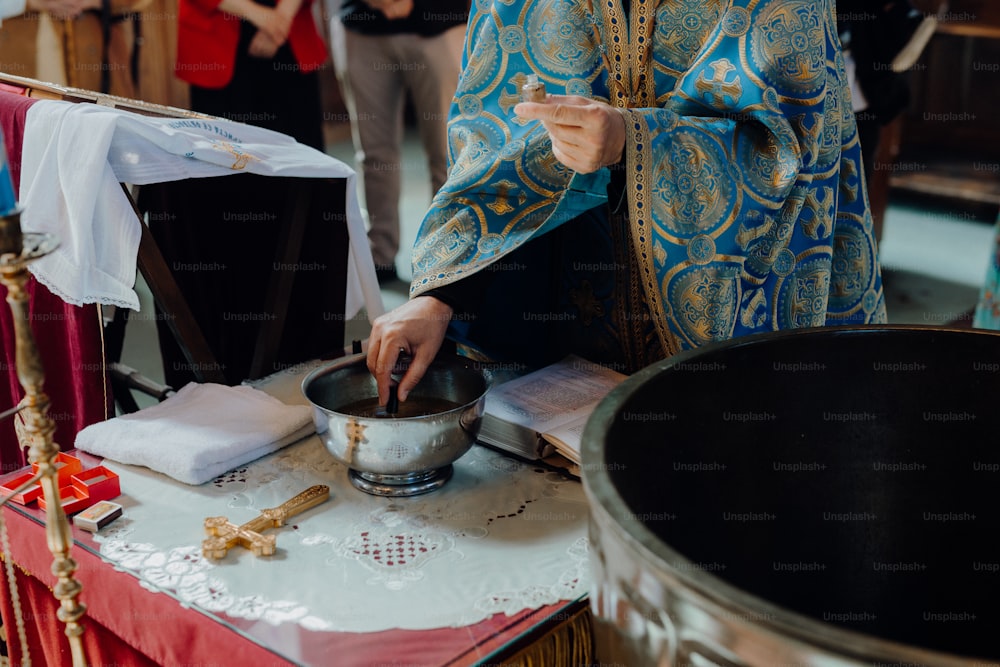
(830, 146)
(242, 157)
(803, 295)
(633, 322)
(769, 166)
(850, 182)
(706, 300)
(787, 43)
(640, 163)
(721, 90)
(483, 67)
(506, 191)
(589, 306)
(560, 38)
(736, 22)
(694, 187)
(451, 240)
(819, 223)
(853, 269)
(682, 26)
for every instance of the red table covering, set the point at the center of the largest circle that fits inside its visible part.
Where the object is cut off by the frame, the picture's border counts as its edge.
(68, 337)
(127, 624)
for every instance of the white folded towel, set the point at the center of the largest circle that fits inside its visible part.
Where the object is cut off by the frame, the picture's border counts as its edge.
(201, 432)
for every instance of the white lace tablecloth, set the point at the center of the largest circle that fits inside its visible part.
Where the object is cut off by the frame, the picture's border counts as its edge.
(501, 536)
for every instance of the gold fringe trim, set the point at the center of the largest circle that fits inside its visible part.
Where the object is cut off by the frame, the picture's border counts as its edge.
(569, 644)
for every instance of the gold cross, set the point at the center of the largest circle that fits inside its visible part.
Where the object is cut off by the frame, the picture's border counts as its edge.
(225, 535)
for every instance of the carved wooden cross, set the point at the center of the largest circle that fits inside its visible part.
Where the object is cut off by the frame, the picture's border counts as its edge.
(226, 535)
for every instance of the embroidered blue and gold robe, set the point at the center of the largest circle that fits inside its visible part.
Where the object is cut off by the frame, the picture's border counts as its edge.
(746, 210)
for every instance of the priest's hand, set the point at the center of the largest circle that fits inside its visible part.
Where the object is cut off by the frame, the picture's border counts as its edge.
(586, 134)
(416, 328)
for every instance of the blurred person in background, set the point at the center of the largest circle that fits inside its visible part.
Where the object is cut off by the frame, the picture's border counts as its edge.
(385, 50)
(254, 62)
(882, 41)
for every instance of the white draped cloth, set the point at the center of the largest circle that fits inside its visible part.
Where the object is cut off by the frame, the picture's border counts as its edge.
(75, 156)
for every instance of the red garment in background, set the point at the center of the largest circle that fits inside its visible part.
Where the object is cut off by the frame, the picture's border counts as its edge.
(68, 337)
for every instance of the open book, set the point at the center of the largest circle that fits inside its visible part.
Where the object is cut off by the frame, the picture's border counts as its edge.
(545, 411)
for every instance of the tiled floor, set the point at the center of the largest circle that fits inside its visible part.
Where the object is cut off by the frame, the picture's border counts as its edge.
(935, 256)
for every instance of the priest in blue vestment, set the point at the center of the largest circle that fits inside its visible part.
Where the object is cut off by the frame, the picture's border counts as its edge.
(693, 175)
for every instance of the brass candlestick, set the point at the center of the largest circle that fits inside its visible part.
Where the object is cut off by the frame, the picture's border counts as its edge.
(16, 251)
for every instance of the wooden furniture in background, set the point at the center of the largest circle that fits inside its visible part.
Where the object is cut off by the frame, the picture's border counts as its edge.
(949, 138)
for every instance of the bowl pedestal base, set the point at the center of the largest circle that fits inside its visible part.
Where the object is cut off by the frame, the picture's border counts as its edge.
(399, 486)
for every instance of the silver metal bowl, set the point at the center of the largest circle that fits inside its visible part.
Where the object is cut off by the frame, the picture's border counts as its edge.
(406, 454)
(812, 498)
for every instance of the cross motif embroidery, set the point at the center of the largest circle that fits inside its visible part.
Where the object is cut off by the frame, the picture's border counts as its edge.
(717, 88)
(505, 192)
(822, 210)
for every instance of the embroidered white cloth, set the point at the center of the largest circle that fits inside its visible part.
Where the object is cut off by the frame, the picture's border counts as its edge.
(201, 432)
(499, 537)
(75, 155)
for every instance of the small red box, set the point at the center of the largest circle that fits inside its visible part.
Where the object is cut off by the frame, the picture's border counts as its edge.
(66, 467)
(73, 500)
(99, 483)
(28, 495)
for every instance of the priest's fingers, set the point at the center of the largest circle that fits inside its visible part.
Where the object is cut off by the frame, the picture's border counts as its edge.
(418, 328)
(415, 373)
(585, 152)
(597, 142)
(565, 110)
(583, 162)
(536, 110)
(383, 355)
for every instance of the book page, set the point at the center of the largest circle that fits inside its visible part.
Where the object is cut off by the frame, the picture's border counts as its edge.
(554, 395)
(566, 438)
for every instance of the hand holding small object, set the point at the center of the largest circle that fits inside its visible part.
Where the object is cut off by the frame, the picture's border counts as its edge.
(586, 134)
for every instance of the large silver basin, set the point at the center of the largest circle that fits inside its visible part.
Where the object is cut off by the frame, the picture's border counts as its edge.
(825, 497)
(397, 456)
